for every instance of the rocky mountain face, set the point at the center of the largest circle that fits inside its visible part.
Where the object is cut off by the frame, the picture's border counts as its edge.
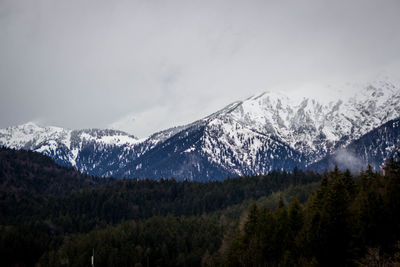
(93, 151)
(372, 148)
(267, 132)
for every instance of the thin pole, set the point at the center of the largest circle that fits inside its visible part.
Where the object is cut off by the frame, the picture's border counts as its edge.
(93, 258)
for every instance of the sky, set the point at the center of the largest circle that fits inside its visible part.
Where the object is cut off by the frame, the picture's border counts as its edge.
(144, 66)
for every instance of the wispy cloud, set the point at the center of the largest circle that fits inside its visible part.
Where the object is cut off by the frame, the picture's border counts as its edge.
(348, 160)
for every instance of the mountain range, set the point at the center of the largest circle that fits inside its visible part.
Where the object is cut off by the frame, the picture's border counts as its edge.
(270, 131)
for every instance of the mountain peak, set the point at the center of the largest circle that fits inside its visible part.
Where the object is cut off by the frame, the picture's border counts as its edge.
(265, 132)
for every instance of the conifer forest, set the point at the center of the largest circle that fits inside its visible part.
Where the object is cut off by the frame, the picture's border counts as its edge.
(56, 216)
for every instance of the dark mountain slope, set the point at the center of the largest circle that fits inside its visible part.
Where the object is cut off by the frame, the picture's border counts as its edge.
(22, 170)
(372, 148)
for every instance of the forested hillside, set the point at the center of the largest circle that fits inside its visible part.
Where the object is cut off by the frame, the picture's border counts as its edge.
(278, 219)
(45, 206)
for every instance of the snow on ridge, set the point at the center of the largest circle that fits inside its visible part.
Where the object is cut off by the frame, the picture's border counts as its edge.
(307, 125)
(118, 138)
(18, 137)
(51, 140)
(244, 135)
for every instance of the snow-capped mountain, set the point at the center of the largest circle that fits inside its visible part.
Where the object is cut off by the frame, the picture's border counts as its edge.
(372, 148)
(87, 150)
(262, 133)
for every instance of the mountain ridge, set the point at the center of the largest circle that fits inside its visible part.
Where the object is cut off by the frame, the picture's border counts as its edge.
(265, 132)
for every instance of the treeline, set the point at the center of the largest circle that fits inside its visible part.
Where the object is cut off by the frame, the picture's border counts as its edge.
(35, 188)
(346, 222)
(131, 199)
(147, 198)
(45, 208)
(157, 241)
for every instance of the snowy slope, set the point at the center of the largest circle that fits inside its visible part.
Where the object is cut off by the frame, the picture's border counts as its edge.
(76, 148)
(266, 132)
(372, 148)
(262, 133)
(245, 135)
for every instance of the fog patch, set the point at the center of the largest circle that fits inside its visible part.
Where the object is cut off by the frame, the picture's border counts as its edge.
(345, 159)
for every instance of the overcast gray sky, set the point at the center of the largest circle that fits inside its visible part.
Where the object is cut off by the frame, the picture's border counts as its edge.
(156, 64)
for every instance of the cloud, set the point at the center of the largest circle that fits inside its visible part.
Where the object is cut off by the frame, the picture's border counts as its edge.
(348, 160)
(89, 63)
(141, 123)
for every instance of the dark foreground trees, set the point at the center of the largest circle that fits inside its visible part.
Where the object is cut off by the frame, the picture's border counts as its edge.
(55, 216)
(344, 223)
(348, 220)
(159, 241)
